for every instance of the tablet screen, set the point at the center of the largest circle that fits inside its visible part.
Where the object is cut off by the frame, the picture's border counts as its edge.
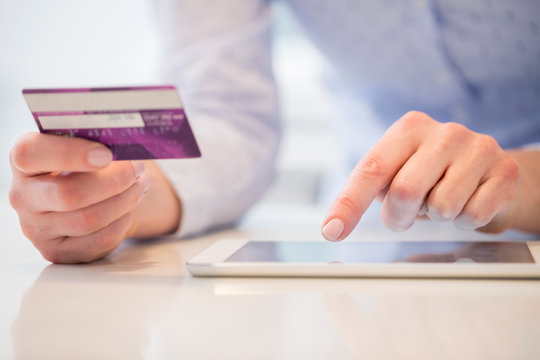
(383, 252)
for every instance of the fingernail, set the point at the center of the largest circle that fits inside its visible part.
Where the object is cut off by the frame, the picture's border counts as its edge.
(443, 217)
(100, 157)
(144, 180)
(138, 167)
(465, 223)
(333, 229)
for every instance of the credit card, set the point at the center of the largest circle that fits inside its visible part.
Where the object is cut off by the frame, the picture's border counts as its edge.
(136, 123)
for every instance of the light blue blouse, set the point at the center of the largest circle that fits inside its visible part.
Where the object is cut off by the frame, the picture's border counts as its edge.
(473, 62)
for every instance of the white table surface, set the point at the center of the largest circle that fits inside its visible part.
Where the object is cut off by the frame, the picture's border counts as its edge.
(140, 303)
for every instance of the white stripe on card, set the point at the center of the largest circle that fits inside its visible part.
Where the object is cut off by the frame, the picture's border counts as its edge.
(91, 121)
(104, 100)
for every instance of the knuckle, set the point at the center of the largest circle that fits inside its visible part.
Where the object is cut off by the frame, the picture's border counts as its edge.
(345, 201)
(415, 114)
(53, 254)
(452, 132)
(371, 167)
(30, 230)
(68, 196)
(131, 197)
(36, 228)
(123, 179)
(450, 137)
(510, 168)
(87, 220)
(50, 255)
(86, 257)
(57, 254)
(414, 118)
(404, 191)
(109, 239)
(107, 244)
(16, 198)
(486, 144)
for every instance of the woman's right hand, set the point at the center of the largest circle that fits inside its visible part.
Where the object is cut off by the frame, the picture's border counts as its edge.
(73, 202)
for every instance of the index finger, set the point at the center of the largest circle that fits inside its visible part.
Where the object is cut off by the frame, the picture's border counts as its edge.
(372, 174)
(36, 153)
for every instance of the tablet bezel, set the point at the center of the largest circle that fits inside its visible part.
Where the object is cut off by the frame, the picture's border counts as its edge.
(211, 262)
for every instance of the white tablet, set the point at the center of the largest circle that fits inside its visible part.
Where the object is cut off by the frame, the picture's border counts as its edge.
(458, 259)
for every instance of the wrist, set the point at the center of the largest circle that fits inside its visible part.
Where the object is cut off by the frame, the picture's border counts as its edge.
(523, 213)
(160, 211)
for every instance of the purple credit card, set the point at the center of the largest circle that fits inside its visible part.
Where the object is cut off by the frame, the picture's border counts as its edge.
(144, 122)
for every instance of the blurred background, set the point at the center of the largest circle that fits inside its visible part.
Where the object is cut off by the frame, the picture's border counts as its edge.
(76, 43)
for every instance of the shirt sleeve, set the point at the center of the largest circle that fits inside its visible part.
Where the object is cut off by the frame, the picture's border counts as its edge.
(218, 53)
